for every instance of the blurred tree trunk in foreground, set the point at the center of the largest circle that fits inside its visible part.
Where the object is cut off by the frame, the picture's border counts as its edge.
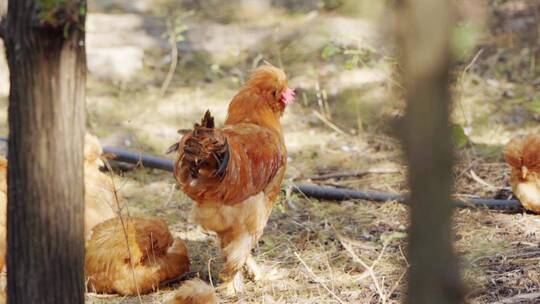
(424, 28)
(3, 12)
(3, 8)
(45, 46)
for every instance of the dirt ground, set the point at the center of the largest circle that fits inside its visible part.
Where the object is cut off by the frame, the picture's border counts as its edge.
(339, 57)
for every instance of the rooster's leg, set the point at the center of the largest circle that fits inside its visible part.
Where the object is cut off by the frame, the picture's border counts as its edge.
(253, 268)
(236, 253)
(234, 286)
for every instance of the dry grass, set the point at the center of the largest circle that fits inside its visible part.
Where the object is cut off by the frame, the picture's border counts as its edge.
(320, 251)
(326, 252)
(351, 252)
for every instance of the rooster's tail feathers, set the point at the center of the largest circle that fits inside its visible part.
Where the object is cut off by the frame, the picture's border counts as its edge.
(208, 120)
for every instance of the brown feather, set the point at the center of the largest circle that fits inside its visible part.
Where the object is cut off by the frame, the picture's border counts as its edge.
(256, 155)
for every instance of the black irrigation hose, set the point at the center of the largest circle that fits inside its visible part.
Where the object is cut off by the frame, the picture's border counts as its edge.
(341, 194)
(320, 192)
(311, 190)
(139, 158)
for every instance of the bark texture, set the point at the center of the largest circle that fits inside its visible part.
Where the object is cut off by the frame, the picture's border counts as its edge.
(424, 28)
(46, 57)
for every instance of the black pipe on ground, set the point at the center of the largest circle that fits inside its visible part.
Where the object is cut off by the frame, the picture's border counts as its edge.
(341, 194)
(320, 192)
(139, 158)
(311, 190)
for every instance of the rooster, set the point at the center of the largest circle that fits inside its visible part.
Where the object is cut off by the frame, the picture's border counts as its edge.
(152, 257)
(234, 173)
(523, 155)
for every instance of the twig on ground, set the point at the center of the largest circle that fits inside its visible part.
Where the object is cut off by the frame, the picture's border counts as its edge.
(317, 279)
(174, 58)
(464, 195)
(328, 122)
(482, 182)
(520, 298)
(462, 89)
(288, 198)
(462, 80)
(473, 61)
(530, 255)
(403, 256)
(358, 173)
(471, 165)
(124, 229)
(169, 198)
(396, 285)
(101, 296)
(378, 257)
(369, 269)
(356, 243)
(329, 267)
(210, 272)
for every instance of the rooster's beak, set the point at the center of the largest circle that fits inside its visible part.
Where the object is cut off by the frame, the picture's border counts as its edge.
(524, 172)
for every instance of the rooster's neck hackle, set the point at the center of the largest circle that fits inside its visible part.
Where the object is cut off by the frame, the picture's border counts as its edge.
(259, 100)
(524, 152)
(251, 105)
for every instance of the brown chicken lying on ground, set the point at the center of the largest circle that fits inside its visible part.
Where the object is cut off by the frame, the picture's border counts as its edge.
(523, 155)
(152, 257)
(234, 173)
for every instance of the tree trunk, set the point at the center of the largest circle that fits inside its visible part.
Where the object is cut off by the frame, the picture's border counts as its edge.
(45, 47)
(424, 28)
(3, 8)
(3, 11)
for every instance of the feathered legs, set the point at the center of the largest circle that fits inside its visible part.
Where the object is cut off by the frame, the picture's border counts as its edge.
(236, 251)
(253, 268)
